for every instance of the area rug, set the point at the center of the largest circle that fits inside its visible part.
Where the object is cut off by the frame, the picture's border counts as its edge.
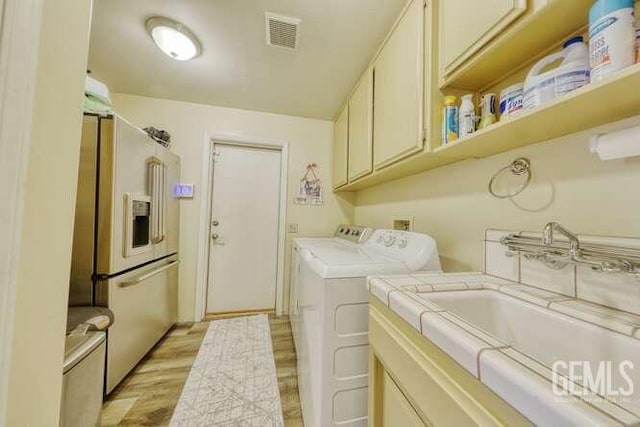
(233, 380)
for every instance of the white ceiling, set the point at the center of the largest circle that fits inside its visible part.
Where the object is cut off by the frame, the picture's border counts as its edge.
(237, 69)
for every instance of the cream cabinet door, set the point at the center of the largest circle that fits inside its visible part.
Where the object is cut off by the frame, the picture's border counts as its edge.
(398, 90)
(361, 128)
(466, 26)
(340, 148)
(396, 409)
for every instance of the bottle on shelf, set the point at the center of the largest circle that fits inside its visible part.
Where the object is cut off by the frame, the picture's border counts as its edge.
(449, 120)
(467, 116)
(612, 38)
(511, 100)
(571, 74)
(487, 110)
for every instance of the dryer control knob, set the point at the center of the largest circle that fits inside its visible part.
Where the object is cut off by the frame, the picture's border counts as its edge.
(389, 240)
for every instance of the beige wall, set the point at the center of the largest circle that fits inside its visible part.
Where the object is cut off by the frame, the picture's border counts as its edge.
(570, 185)
(190, 124)
(45, 254)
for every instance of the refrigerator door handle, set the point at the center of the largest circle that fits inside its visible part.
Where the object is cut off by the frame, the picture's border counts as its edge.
(157, 200)
(162, 194)
(149, 275)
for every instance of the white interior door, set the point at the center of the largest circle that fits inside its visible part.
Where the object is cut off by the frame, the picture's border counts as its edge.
(245, 210)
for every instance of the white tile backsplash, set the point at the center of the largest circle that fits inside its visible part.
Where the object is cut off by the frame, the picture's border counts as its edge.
(613, 290)
(618, 291)
(498, 264)
(536, 274)
(495, 235)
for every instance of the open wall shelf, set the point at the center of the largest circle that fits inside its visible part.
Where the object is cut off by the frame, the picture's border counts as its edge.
(614, 98)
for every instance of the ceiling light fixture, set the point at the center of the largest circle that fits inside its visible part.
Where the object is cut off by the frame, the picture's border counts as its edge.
(173, 38)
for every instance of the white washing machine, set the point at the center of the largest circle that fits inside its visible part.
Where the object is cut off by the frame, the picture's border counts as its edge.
(329, 316)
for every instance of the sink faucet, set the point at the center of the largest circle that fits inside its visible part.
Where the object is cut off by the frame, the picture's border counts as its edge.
(547, 237)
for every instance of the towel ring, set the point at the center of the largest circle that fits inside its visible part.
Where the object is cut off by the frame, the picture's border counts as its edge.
(520, 166)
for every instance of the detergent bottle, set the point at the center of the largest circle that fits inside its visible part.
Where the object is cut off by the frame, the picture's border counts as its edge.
(572, 73)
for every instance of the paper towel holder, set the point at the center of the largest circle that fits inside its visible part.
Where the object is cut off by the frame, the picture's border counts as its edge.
(621, 144)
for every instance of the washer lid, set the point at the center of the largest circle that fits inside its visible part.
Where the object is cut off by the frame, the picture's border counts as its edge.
(348, 262)
(322, 242)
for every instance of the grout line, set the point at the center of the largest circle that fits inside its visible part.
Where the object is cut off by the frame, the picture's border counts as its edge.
(482, 350)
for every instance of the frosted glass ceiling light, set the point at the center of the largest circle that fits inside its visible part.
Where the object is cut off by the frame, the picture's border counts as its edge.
(173, 38)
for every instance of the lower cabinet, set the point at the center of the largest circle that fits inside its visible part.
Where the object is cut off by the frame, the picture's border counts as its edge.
(414, 383)
(396, 409)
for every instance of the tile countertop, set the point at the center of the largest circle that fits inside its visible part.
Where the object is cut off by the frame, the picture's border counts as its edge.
(519, 379)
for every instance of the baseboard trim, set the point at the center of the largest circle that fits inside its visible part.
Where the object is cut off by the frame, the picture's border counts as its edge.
(229, 314)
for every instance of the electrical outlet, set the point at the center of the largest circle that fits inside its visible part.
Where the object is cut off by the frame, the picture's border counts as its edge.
(292, 228)
(403, 223)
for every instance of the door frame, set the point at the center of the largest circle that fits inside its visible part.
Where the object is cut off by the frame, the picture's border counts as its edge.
(19, 43)
(204, 228)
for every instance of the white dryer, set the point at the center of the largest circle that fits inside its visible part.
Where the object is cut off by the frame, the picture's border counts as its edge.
(329, 316)
(344, 236)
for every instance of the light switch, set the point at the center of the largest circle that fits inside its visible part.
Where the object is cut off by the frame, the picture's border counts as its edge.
(292, 228)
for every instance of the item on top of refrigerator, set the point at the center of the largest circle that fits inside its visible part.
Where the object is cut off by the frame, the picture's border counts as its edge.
(467, 116)
(612, 38)
(160, 136)
(571, 74)
(449, 120)
(97, 90)
(487, 110)
(511, 100)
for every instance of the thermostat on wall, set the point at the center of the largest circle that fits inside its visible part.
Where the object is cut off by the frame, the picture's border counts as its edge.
(183, 191)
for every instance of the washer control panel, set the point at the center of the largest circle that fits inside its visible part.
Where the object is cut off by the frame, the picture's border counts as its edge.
(418, 251)
(391, 239)
(353, 233)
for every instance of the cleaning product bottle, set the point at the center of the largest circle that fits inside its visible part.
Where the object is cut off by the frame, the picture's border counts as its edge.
(572, 73)
(611, 37)
(487, 110)
(449, 120)
(467, 116)
(511, 100)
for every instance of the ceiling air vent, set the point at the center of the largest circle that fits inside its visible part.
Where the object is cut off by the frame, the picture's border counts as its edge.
(282, 31)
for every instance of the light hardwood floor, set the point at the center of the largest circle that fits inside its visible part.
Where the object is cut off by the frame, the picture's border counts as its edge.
(150, 392)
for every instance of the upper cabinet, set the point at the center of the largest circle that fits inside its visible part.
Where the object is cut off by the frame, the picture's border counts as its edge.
(340, 148)
(361, 128)
(393, 124)
(466, 26)
(398, 90)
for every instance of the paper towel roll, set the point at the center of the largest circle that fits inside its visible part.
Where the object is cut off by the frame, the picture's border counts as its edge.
(617, 145)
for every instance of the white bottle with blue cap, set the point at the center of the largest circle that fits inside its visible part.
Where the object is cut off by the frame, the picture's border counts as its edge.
(571, 74)
(611, 37)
